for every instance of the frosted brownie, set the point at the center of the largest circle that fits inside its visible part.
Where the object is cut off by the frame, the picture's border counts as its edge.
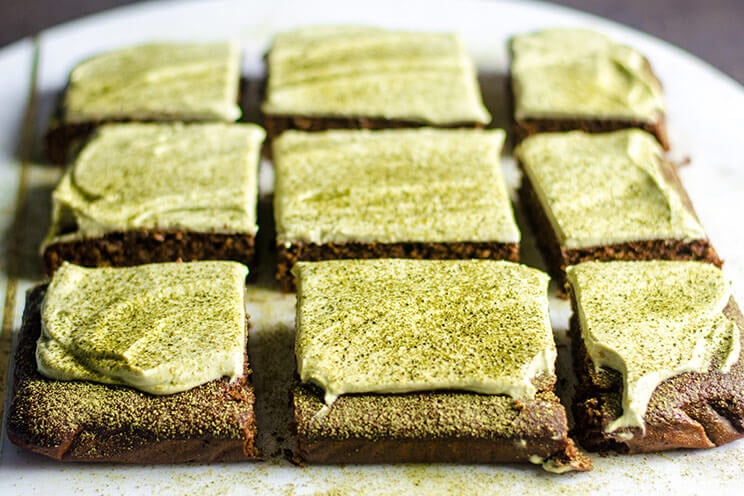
(564, 79)
(657, 351)
(404, 361)
(157, 82)
(607, 196)
(364, 77)
(409, 193)
(140, 193)
(144, 364)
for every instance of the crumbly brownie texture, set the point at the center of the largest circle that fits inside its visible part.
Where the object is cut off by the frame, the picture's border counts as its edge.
(277, 124)
(435, 427)
(558, 257)
(523, 128)
(88, 422)
(691, 410)
(287, 256)
(124, 249)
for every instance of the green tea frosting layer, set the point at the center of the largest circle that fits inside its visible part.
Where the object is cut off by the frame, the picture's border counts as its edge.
(197, 177)
(371, 72)
(424, 185)
(159, 81)
(160, 328)
(395, 325)
(579, 73)
(600, 189)
(651, 321)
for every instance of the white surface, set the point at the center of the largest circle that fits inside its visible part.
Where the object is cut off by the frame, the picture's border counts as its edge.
(705, 110)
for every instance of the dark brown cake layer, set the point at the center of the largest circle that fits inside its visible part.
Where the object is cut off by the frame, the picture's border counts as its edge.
(122, 249)
(80, 421)
(527, 127)
(691, 410)
(277, 124)
(433, 427)
(63, 139)
(558, 257)
(287, 256)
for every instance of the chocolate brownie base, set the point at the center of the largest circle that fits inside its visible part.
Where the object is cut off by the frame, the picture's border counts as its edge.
(528, 127)
(63, 139)
(522, 128)
(691, 410)
(434, 427)
(558, 257)
(287, 256)
(123, 249)
(80, 421)
(277, 124)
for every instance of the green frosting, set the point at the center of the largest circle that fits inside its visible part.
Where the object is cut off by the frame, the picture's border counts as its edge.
(175, 81)
(160, 328)
(425, 185)
(578, 73)
(600, 189)
(197, 177)
(395, 325)
(651, 321)
(370, 72)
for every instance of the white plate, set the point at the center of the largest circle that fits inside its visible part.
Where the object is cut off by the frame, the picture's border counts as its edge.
(705, 111)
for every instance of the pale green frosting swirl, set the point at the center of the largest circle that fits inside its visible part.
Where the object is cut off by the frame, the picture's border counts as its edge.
(395, 325)
(651, 321)
(600, 189)
(160, 328)
(197, 177)
(579, 73)
(158, 81)
(371, 72)
(422, 185)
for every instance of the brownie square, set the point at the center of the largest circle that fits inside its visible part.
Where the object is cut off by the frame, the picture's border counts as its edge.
(155, 82)
(427, 361)
(142, 193)
(363, 77)
(566, 79)
(421, 193)
(85, 421)
(677, 331)
(607, 196)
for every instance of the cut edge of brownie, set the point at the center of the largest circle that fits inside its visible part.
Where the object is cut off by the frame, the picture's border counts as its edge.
(690, 410)
(63, 140)
(210, 423)
(288, 255)
(522, 128)
(557, 257)
(127, 248)
(277, 124)
(434, 427)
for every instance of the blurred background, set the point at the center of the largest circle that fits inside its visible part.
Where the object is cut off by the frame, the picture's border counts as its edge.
(711, 29)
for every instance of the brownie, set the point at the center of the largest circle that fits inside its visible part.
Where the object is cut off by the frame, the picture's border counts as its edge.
(575, 79)
(573, 166)
(423, 193)
(351, 77)
(156, 82)
(698, 409)
(196, 201)
(399, 363)
(80, 421)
